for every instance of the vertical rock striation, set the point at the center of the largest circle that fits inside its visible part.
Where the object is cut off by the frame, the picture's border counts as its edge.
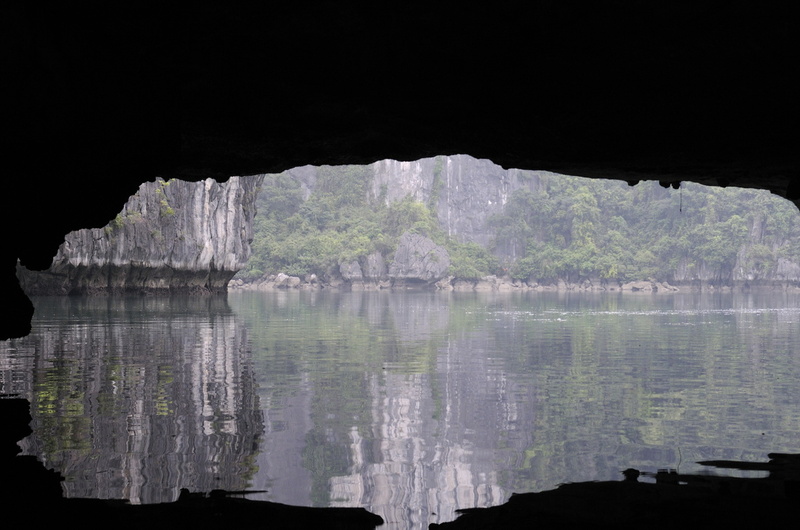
(171, 236)
(464, 191)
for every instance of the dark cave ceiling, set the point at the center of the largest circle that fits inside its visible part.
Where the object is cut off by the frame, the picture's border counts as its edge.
(99, 99)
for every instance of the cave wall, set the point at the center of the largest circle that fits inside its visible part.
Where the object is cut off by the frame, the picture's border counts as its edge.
(98, 99)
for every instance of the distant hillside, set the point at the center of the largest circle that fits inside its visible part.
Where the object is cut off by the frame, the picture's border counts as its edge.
(532, 227)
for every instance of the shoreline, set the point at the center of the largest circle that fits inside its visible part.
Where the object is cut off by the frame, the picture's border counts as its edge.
(283, 282)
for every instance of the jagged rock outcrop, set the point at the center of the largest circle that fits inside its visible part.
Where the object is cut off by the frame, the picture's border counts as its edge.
(374, 268)
(418, 260)
(351, 271)
(171, 236)
(783, 271)
(368, 273)
(648, 286)
(787, 270)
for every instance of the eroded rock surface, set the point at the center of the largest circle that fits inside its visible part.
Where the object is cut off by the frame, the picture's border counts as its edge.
(170, 236)
(418, 259)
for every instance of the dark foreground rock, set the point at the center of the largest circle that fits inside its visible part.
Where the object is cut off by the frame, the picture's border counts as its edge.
(214, 511)
(673, 501)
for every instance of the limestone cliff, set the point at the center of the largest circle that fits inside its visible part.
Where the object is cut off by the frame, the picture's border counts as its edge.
(468, 196)
(465, 191)
(171, 236)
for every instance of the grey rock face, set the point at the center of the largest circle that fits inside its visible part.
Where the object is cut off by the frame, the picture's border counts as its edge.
(170, 236)
(417, 258)
(641, 285)
(351, 271)
(787, 270)
(284, 281)
(465, 191)
(375, 267)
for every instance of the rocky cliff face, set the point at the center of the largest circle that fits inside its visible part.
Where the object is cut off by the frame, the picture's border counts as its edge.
(465, 190)
(783, 272)
(170, 236)
(418, 259)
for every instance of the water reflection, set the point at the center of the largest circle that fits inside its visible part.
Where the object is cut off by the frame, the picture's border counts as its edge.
(411, 405)
(136, 398)
(425, 403)
(370, 402)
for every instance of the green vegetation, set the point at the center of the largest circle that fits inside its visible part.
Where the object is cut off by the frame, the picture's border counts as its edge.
(576, 228)
(341, 222)
(335, 224)
(164, 207)
(556, 227)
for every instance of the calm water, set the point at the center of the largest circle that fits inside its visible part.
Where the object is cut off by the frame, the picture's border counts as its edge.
(409, 404)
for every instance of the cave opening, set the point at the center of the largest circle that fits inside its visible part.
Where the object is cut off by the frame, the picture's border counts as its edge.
(675, 93)
(329, 388)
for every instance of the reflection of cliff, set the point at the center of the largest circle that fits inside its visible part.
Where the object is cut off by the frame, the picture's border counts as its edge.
(287, 419)
(402, 476)
(137, 398)
(396, 403)
(418, 316)
(420, 470)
